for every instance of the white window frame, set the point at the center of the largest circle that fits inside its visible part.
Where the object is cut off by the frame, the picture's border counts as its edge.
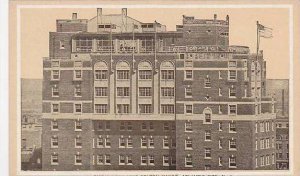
(75, 125)
(52, 109)
(168, 160)
(229, 105)
(102, 109)
(188, 157)
(75, 75)
(207, 151)
(98, 159)
(80, 140)
(207, 134)
(75, 159)
(52, 140)
(52, 74)
(229, 162)
(229, 76)
(185, 75)
(52, 124)
(52, 157)
(188, 141)
(186, 90)
(232, 141)
(75, 108)
(55, 87)
(185, 108)
(75, 91)
(188, 128)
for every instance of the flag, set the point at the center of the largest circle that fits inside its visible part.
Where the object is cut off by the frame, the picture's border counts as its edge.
(265, 31)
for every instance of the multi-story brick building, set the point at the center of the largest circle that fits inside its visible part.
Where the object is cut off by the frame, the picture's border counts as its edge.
(279, 88)
(122, 94)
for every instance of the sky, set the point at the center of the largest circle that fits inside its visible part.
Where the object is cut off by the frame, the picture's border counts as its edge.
(37, 23)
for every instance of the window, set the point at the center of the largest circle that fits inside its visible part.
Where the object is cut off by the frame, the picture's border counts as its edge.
(54, 159)
(262, 161)
(54, 142)
(101, 108)
(78, 142)
(188, 109)
(121, 160)
(121, 142)
(122, 126)
(145, 74)
(262, 144)
(122, 91)
(256, 127)
(54, 125)
(207, 83)
(129, 142)
(188, 161)
(122, 108)
(101, 74)
(220, 75)
(100, 160)
(256, 145)
(165, 160)
(107, 159)
(220, 92)
(165, 142)
(55, 74)
(207, 117)
(107, 126)
(232, 144)
(151, 160)
(220, 161)
(207, 167)
(78, 126)
(143, 160)
(207, 135)
(77, 91)
(232, 162)
(188, 126)
(166, 126)
(207, 153)
(220, 126)
(220, 144)
(107, 142)
(167, 109)
(232, 109)
(78, 159)
(232, 92)
(267, 143)
(181, 56)
(188, 144)
(273, 159)
(55, 91)
(189, 74)
(77, 64)
(55, 64)
(188, 92)
(100, 143)
(151, 142)
(78, 108)
(232, 64)
(232, 74)
(55, 108)
(262, 127)
(143, 142)
(145, 91)
(267, 160)
(267, 124)
(232, 127)
(145, 108)
(167, 74)
(77, 74)
(129, 160)
(167, 91)
(123, 74)
(151, 126)
(144, 126)
(101, 91)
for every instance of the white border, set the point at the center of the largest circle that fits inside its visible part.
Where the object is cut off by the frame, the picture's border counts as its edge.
(138, 172)
(4, 87)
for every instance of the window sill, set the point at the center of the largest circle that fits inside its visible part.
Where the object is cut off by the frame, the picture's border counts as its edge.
(188, 131)
(53, 147)
(78, 164)
(77, 130)
(207, 157)
(188, 166)
(54, 164)
(54, 130)
(206, 140)
(188, 149)
(232, 167)
(78, 147)
(232, 149)
(232, 132)
(166, 165)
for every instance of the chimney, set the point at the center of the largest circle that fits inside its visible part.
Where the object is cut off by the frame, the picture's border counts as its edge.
(124, 11)
(227, 18)
(215, 16)
(74, 16)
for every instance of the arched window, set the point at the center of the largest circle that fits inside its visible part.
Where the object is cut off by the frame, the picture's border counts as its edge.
(207, 115)
(123, 70)
(101, 71)
(167, 70)
(145, 70)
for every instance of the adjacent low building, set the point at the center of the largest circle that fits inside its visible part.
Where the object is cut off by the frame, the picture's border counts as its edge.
(120, 94)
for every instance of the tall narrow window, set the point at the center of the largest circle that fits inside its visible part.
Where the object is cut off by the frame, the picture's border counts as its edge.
(207, 83)
(55, 91)
(207, 153)
(188, 161)
(232, 162)
(189, 74)
(77, 91)
(188, 92)
(78, 108)
(78, 159)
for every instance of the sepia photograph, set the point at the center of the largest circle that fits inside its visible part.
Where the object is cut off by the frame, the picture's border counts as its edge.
(172, 89)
